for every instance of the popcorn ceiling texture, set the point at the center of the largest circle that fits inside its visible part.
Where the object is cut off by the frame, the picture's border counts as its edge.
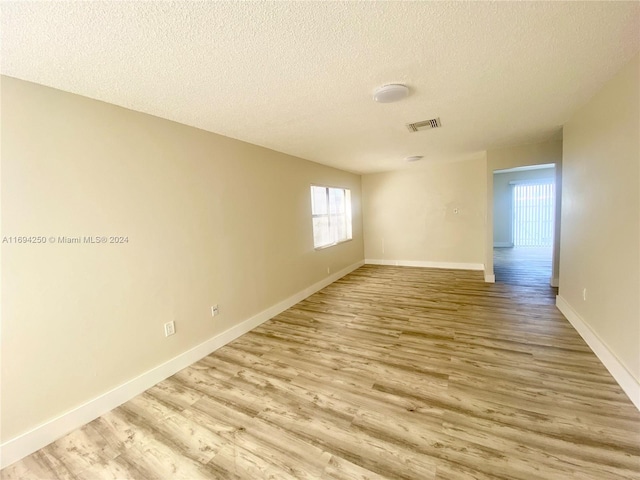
(298, 77)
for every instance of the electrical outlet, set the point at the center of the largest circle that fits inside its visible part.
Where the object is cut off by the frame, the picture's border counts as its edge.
(169, 329)
(214, 310)
(328, 269)
(584, 294)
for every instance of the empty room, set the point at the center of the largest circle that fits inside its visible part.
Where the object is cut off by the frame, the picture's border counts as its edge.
(320, 240)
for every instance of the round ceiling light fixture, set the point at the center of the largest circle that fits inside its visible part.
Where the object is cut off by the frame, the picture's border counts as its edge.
(390, 93)
(414, 158)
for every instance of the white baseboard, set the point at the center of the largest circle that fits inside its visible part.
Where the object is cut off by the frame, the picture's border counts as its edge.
(489, 278)
(19, 447)
(502, 245)
(423, 264)
(627, 382)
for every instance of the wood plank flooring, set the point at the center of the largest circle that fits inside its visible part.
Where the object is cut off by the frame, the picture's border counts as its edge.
(389, 373)
(528, 266)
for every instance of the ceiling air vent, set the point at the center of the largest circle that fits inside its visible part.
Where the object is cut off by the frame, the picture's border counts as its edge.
(424, 125)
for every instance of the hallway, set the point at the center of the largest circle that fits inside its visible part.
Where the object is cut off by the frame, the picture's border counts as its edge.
(524, 266)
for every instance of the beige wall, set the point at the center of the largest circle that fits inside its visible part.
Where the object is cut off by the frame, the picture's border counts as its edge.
(210, 220)
(409, 214)
(520, 156)
(601, 215)
(503, 201)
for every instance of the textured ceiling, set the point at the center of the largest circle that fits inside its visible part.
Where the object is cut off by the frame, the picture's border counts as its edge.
(297, 77)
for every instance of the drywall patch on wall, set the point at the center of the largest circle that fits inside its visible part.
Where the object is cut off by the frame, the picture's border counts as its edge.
(432, 215)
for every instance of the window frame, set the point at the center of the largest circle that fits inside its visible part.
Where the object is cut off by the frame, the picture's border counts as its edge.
(347, 213)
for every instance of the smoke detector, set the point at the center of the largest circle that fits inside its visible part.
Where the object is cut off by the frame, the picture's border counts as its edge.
(413, 158)
(390, 93)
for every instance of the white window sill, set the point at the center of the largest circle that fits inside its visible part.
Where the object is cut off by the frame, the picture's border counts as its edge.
(333, 244)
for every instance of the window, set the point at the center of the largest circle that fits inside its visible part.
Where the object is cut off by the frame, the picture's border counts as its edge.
(533, 214)
(331, 212)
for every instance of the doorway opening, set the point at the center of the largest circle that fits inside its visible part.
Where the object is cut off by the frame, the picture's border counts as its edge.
(524, 223)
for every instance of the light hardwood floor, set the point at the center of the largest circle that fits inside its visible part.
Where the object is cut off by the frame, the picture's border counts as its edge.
(390, 372)
(528, 266)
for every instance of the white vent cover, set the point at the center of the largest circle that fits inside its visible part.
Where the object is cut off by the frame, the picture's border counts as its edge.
(424, 125)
